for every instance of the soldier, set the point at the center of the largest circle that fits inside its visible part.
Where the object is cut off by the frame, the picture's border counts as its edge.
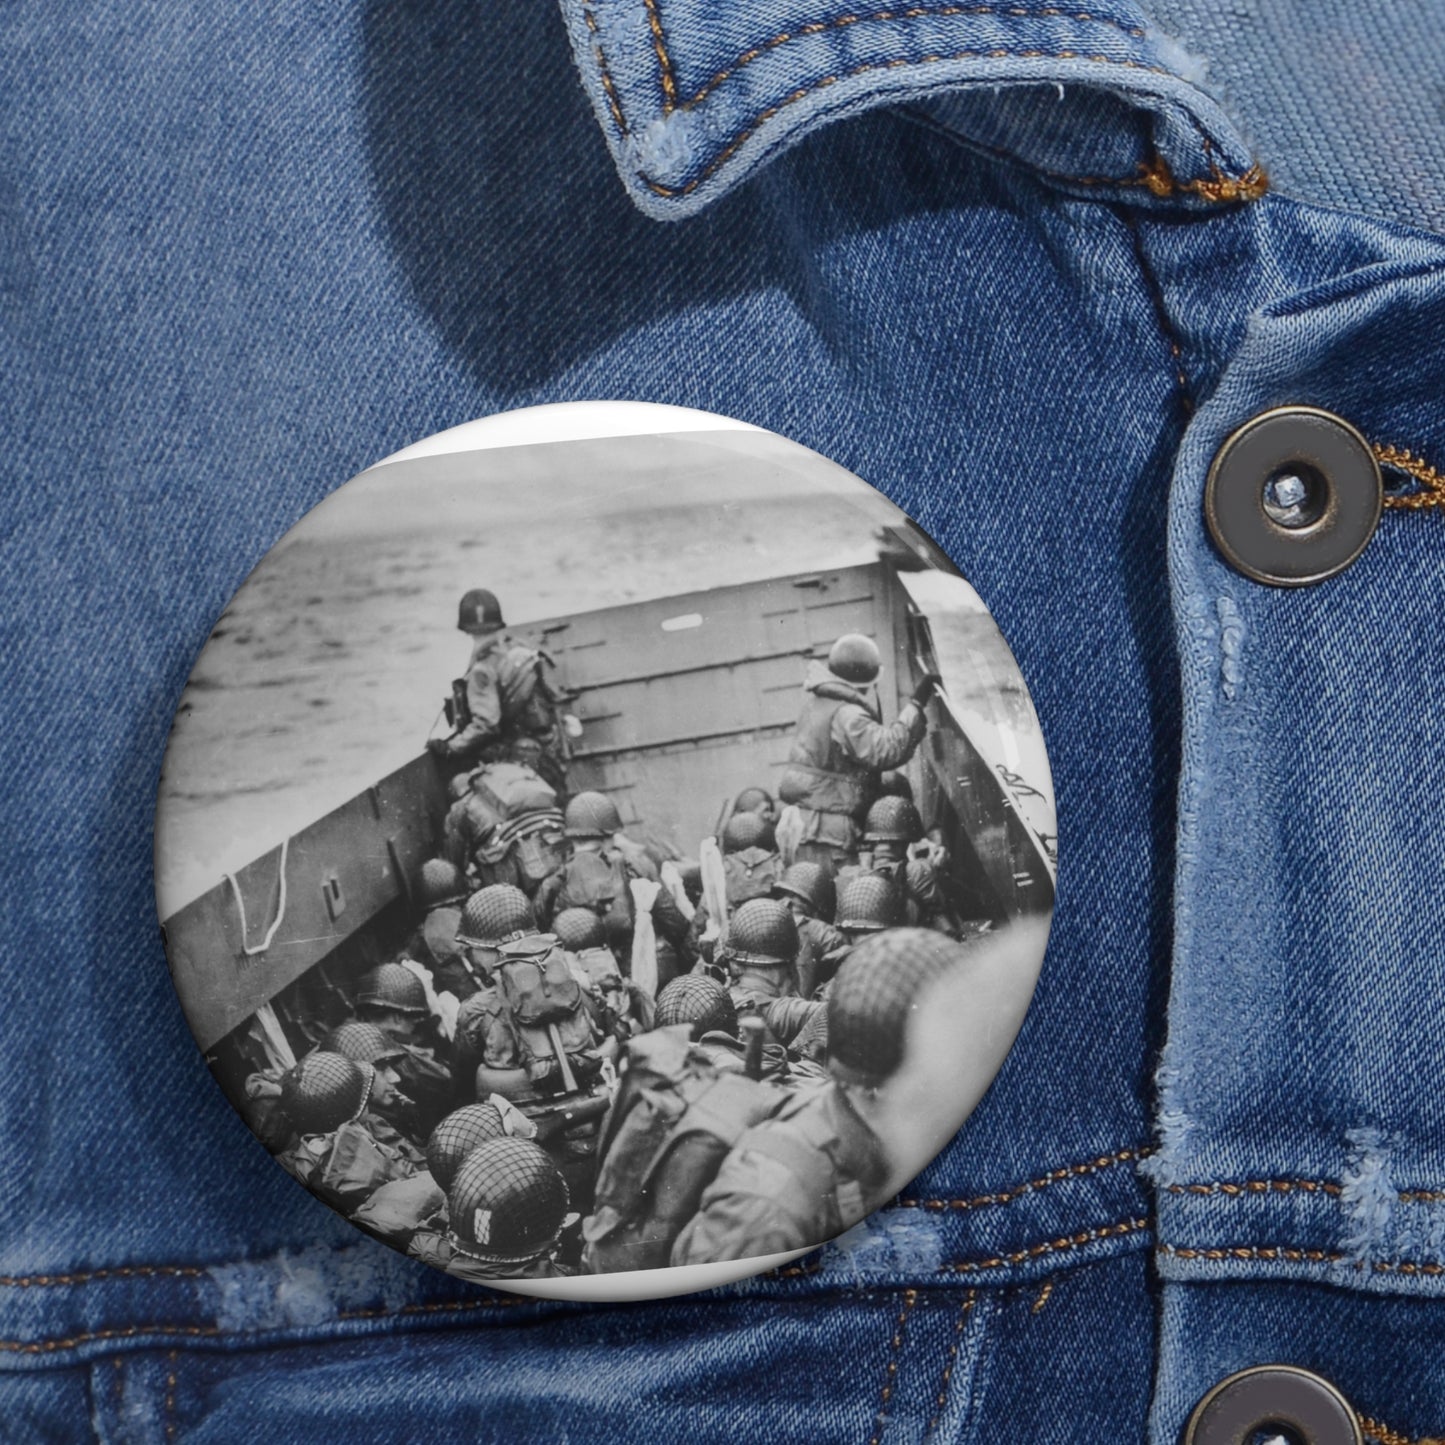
(756, 800)
(511, 708)
(707, 1008)
(842, 747)
(812, 898)
(364, 1043)
(598, 877)
(442, 889)
(456, 1136)
(819, 1164)
(620, 1008)
(335, 1152)
(751, 866)
(760, 953)
(867, 903)
(507, 828)
(392, 997)
(506, 1210)
(529, 1035)
(893, 838)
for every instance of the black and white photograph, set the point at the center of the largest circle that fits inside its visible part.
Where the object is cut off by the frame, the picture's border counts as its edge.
(606, 855)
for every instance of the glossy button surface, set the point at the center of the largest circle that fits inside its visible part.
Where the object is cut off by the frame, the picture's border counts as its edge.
(1298, 1404)
(605, 851)
(1293, 496)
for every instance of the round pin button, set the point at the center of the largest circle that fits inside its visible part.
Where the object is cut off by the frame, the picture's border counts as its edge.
(604, 851)
(1293, 496)
(1279, 1399)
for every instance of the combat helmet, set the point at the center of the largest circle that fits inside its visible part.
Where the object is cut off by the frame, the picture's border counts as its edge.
(591, 815)
(702, 1002)
(855, 658)
(813, 885)
(874, 994)
(747, 830)
(754, 800)
(456, 1136)
(480, 612)
(496, 915)
(762, 931)
(892, 820)
(579, 928)
(394, 988)
(508, 1202)
(441, 882)
(867, 903)
(361, 1041)
(325, 1091)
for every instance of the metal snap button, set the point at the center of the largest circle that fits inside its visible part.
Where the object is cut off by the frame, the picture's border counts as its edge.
(1293, 496)
(1278, 1399)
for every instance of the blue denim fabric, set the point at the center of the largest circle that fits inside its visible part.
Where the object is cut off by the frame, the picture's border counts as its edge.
(248, 252)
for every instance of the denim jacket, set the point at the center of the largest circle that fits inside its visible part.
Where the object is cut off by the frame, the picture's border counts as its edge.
(1022, 268)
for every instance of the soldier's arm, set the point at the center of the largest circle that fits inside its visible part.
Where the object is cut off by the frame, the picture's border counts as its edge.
(484, 699)
(879, 745)
(752, 1207)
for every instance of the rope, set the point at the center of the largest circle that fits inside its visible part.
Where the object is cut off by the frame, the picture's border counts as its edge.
(265, 943)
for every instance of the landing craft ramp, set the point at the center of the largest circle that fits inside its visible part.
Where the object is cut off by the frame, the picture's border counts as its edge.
(684, 700)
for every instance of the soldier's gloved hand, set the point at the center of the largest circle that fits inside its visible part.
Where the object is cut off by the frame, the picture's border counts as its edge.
(438, 747)
(928, 684)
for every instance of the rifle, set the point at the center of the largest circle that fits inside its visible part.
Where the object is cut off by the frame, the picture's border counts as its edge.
(561, 1117)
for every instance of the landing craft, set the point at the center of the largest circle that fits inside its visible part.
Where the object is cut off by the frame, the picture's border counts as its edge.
(683, 701)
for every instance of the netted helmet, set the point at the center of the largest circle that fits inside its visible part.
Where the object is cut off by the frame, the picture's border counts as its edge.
(591, 815)
(325, 1091)
(873, 995)
(893, 820)
(867, 903)
(579, 928)
(754, 800)
(762, 931)
(496, 915)
(854, 658)
(441, 882)
(392, 987)
(747, 830)
(507, 1203)
(480, 612)
(702, 1002)
(361, 1041)
(813, 884)
(456, 1136)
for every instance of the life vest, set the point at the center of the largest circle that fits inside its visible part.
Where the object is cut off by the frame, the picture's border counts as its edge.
(821, 776)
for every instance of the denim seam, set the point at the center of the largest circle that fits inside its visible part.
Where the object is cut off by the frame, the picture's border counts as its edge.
(170, 1402)
(1235, 1189)
(1045, 1294)
(1297, 1255)
(841, 22)
(950, 1361)
(1382, 1434)
(890, 1375)
(1018, 1191)
(1432, 482)
(1055, 1246)
(1217, 190)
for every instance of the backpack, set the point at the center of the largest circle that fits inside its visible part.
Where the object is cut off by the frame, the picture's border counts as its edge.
(750, 874)
(536, 983)
(508, 790)
(673, 1122)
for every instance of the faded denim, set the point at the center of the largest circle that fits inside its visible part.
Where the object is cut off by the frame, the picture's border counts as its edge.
(1026, 292)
